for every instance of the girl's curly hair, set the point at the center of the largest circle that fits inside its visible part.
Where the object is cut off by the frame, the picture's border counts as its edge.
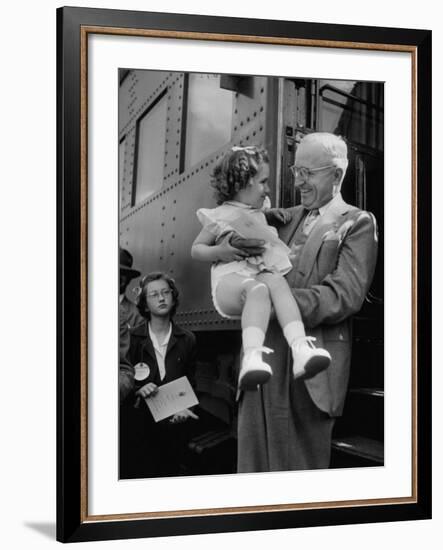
(234, 171)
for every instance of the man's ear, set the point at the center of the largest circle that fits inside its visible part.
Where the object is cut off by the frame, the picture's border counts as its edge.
(337, 180)
(338, 175)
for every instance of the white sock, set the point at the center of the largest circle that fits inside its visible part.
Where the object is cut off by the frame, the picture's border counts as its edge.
(293, 331)
(253, 337)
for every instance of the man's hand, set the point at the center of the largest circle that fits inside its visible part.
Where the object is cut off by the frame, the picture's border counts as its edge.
(278, 216)
(249, 247)
(234, 248)
(182, 416)
(228, 253)
(148, 390)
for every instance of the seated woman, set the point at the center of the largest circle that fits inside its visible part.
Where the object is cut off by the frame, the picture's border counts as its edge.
(159, 352)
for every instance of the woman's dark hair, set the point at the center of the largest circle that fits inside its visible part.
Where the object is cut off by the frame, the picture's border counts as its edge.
(234, 171)
(149, 278)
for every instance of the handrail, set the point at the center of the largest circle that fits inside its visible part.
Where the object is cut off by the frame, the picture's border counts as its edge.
(349, 96)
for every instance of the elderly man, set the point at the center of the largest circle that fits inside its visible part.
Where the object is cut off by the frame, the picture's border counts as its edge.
(287, 424)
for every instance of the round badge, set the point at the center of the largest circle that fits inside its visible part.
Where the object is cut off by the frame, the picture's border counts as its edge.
(142, 371)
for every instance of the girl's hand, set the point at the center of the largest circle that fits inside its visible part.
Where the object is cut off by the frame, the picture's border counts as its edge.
(148, 390)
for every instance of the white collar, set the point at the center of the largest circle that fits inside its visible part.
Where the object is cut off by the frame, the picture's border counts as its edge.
(240, 205)
(326, 206)
(154, 339)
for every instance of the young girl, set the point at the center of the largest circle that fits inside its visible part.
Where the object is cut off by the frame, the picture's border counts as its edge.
(241, 183)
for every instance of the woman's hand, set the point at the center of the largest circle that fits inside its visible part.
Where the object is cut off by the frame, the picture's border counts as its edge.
(182, 416)
(148, 390)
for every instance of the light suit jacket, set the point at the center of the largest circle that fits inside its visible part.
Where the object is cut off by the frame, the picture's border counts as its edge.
(282, 427)
(332, 277)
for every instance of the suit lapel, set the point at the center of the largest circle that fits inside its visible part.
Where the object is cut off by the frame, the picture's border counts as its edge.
(149, 348)
(172, 342)
(287, 232)
(315, 239)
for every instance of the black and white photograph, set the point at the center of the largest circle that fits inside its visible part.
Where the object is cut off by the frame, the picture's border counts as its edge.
(222, 221)
(251, 273)
(243, 273)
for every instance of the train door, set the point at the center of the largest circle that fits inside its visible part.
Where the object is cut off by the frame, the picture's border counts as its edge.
(353, 110)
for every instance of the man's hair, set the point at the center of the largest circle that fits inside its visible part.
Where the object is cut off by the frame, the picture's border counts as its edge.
(334, 146)
(142, 304)
(235, 170)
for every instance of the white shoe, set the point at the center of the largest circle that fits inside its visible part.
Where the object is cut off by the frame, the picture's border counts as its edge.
(308, 360)
(254, 371)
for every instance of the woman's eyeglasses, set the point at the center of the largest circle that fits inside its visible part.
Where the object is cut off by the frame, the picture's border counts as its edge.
(163, 293)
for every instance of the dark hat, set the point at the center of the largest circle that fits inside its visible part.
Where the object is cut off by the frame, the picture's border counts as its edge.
(126, 264)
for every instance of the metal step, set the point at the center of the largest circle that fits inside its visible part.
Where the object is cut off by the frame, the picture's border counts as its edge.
(357, 451)
(209, 440)
(372, 392)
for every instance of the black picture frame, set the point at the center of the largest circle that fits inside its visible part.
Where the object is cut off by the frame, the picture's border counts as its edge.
(73, 522)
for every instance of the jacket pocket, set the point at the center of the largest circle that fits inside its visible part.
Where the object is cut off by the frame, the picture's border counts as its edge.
(327, 257)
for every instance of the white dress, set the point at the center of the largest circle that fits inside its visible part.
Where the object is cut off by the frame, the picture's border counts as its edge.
(248, 222)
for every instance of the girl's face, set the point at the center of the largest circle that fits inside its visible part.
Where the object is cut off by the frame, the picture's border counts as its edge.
(258, 189)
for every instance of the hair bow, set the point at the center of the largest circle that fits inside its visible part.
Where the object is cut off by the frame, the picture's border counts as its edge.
(249, 149)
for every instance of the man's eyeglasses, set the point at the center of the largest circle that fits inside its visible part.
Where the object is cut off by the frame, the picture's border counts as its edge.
(163, 293)
(300, 172)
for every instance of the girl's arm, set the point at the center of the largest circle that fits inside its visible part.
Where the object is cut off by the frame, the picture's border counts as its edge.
(204, 249)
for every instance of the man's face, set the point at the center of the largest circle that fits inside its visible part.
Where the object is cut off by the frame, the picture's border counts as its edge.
(159, 298)
(319, 187)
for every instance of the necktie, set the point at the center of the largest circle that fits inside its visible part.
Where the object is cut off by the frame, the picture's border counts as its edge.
(310, 220)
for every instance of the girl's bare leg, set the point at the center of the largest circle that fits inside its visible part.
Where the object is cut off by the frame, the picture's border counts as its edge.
(233, 293)
(308, 360)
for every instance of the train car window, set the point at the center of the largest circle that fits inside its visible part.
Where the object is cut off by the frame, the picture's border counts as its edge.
(209, 117)
(150, 151)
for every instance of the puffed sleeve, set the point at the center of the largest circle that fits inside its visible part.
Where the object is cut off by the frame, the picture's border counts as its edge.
(207, 217)
(341, 293)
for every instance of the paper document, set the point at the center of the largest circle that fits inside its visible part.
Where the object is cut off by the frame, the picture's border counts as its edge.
(172, 398)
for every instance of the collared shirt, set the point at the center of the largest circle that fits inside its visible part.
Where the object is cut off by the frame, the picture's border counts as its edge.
(312, 217)
(160, 349)
(326, 206)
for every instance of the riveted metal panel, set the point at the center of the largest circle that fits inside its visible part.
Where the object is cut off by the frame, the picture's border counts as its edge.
(137, 92)
(160, 231)
(128, 172)
(174, 125)
(249, 113)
